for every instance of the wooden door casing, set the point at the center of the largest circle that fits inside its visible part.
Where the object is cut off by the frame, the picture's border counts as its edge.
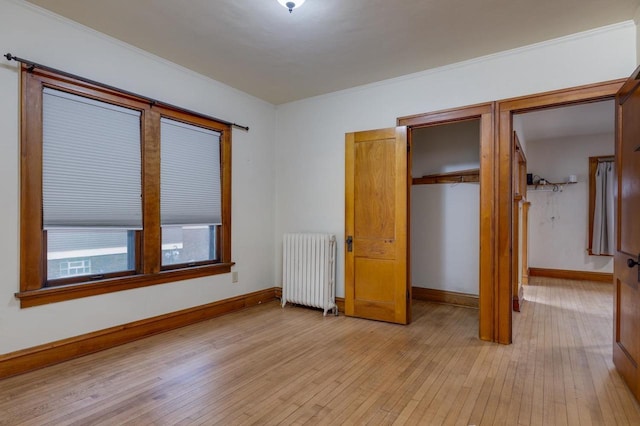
(519, 199)
(504, 204)
(376, 207)
(490, 314)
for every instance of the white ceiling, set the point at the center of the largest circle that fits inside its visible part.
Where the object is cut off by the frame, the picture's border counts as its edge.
(328, 45)
(576, 120)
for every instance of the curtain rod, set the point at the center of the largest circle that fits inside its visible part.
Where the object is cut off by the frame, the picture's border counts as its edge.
(151, 101)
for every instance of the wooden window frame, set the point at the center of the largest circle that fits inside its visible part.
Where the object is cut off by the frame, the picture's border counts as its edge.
(33, 251)
(593, 167)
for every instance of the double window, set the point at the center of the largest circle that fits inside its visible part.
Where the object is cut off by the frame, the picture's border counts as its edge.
(117, 192)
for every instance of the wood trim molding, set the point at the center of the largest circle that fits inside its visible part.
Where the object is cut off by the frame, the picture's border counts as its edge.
(35, 287)
(495, 313)
(74, 291)
(503, 298)
(29, 359)
(573, 95)
(572, 275)
(466, 113)
(447, 297)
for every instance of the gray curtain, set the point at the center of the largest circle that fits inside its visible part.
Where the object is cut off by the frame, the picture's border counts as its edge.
(603, 223)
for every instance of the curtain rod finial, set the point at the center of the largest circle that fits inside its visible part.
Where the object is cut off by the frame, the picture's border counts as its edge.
(9, 56)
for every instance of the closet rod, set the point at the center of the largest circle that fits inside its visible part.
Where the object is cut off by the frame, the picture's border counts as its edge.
(606, 159)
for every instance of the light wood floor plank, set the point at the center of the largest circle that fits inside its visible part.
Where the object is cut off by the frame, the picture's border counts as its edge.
(267, 365)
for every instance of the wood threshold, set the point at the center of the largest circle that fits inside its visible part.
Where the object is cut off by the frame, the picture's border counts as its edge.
(446, 297)
(572, 275)
(29, 359)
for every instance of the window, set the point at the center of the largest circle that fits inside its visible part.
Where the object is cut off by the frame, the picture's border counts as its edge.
(190, 209)
(109, 251)
(601, 200)
(117, 192)
(75, 267)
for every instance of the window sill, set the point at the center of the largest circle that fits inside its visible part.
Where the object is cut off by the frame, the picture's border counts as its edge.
(601, 255)
(75, 291)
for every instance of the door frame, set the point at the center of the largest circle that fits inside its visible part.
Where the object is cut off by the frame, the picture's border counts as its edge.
(488, 316)
(519, 220)
(504, 162)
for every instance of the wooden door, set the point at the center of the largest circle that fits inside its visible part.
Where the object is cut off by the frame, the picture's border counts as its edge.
(376, 206)
(626, 274)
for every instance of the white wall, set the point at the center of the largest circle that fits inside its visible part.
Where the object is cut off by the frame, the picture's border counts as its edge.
(31, 33)
(310, 132)
(558, 221)
(446, 148)
(445, 218)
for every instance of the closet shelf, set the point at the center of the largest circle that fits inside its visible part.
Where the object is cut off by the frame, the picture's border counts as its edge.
(460, 176)
(550, 186)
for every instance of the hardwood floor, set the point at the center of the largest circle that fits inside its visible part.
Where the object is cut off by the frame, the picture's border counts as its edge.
(268, 365)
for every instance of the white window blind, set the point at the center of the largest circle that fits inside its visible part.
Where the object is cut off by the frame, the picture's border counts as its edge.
(189, 174)
(91, 163)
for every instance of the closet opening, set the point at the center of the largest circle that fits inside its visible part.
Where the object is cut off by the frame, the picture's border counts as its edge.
(445, 213)
(451, 188)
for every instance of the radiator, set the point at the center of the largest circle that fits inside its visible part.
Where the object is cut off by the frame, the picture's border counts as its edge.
(309, 271)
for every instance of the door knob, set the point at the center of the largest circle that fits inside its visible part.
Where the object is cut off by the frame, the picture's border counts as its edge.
(631, 263)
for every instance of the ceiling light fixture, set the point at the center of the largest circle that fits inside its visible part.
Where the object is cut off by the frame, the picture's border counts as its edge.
(291, 4)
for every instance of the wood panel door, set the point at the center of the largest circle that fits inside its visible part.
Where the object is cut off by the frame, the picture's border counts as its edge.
(376, 224)
(626, 274)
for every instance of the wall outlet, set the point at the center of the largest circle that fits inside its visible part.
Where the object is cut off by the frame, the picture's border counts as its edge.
(234, 277)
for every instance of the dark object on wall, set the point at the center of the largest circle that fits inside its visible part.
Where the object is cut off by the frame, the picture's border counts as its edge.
(529, 178)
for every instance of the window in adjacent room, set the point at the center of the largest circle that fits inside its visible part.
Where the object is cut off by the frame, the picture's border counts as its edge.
(601, 205)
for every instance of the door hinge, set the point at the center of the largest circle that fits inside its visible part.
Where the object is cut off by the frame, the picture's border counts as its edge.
(349, 243)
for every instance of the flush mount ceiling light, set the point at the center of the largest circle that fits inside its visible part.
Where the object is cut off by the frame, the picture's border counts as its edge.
(291, 4)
